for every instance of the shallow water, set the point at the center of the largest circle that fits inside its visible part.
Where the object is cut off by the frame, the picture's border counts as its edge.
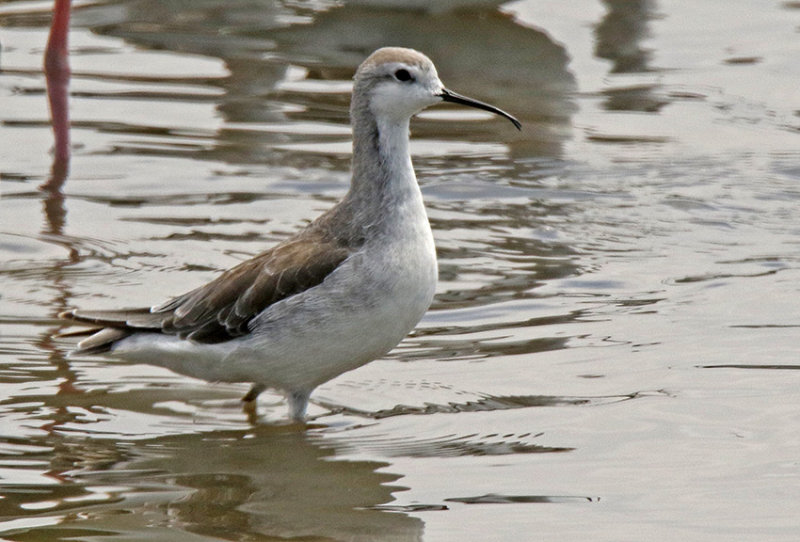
(613, 350)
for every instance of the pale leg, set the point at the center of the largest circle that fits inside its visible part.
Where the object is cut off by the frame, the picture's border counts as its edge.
(298, 401)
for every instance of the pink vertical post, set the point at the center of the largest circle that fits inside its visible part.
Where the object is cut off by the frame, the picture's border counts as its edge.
(57, 73)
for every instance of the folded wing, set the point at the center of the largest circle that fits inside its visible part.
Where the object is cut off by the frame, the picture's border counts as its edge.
(222, 309)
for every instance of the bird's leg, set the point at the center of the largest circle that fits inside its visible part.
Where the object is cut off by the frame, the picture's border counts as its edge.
(298, 401)
(249, 400)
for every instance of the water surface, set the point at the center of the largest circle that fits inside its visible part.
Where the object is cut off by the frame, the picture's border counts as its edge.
(613, 349)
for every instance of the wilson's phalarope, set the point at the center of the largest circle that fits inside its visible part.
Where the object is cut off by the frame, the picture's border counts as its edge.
(340, 293)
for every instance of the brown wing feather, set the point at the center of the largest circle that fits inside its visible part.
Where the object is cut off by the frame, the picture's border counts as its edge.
(222, 309)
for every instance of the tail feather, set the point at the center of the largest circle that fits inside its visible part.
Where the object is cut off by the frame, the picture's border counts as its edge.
(135, 318)
(102, 341)
(108, 327)
(77, 332)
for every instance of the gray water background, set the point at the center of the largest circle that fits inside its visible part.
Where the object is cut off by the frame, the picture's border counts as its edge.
(612, 354)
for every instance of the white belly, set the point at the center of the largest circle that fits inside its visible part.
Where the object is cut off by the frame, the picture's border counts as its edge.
(359, 313)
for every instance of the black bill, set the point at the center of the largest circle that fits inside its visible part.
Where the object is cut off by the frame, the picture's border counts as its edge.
(450, 96)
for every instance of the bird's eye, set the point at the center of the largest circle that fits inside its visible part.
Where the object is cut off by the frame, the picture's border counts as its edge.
(402, 75)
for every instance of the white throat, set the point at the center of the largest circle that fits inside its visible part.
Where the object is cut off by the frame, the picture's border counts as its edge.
(394, 153)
